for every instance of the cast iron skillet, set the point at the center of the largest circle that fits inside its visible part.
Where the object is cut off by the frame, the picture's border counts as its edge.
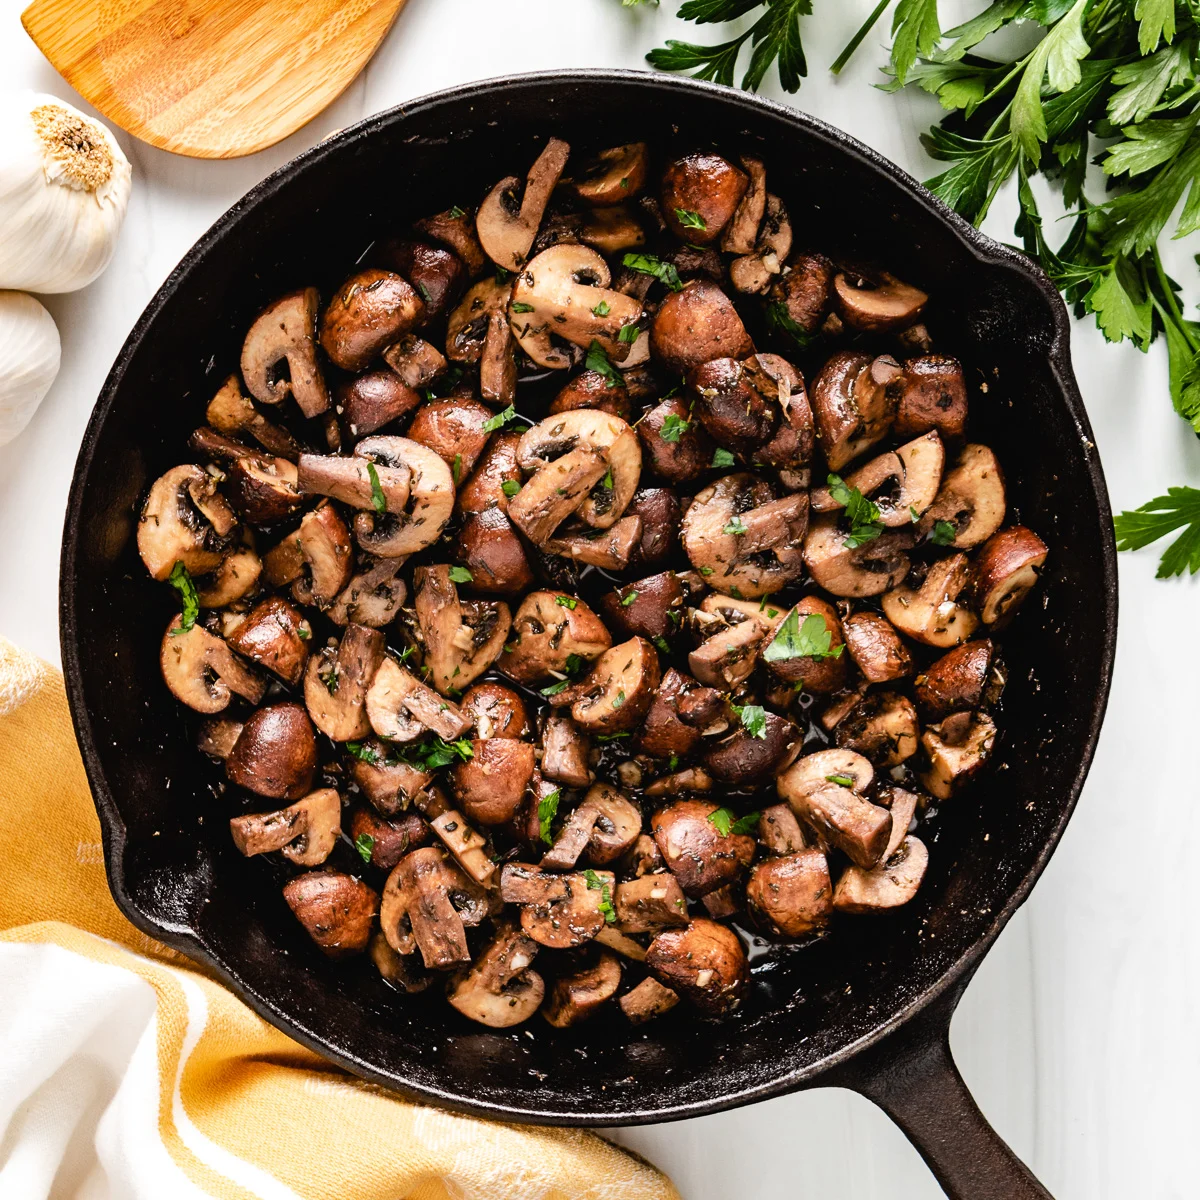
(869, 1010)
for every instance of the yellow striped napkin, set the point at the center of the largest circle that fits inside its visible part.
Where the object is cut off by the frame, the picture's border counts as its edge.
(126, 1072)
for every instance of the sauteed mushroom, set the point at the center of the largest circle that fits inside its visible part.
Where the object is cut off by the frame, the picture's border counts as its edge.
(279, 355)
(336, 910)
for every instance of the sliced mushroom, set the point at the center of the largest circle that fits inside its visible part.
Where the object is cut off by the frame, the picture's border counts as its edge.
(650, 903)
(743, 758)
(791, 445)
(306, 831)
(676, 446)
(697, 853)
(431, 499)
(860, 829)
(956, 681)
(275, 754)
(933, 613)
(565, 750)
(506, 226)
(456, 229)
(1005, 571)
(665, 732)
(617, 693)
(744, 541)
(235, 578)
(397, 697)
(386, 840)
(372, 597)
(575, 997)
(403, 971)
(469, 327)
(185, 519)
(202, 672)
(934, 397)
(484, 490)
(461, 640)
(779, 831)
(843, 767)
(558, 911)
(609, 548)
(694, 326)
(902, 482)
(855, 571)
(415, 363)
(491, 784)
(427, 903)
(853, 404)
(953, 760)
(337, 680)
(971, 499)
(891, 884)
(681, 783)
(218, 736)
(336, 910)
(648, 1000)
(876, 648)
(611, 176)
(438, 275)
(324, 544)
(883, 726)
(791, 896)
(283, 338)
(700, 195)
(564, 293)
(902, 805)
(756, 270)
(879, 303)
(500, 990)
(705, 963)
(805, 290)
(491, 551)
(231, 413)
(820, 674)
(368, 312)
(391, 785)
(547, 635)
(468, 846)
(739, 235)
(276, 635)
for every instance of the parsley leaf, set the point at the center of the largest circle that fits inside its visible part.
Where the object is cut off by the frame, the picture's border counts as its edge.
(629, 597)
(595, 883)
(181, 581)
(566, 601)
(599, 362)
(943, 533)
(628, 334)
(378, 500)
(754, 720)
(780, 321)
(519, 306)
(736, 526)
(649, 264)
(812, 639)
(501, 419)
(461, 575)
(364, 844)
(510, 487)
(456, 213)
(547, 810)
(746, 825)
(364, 753)
(841, 780)
(601, 309)
(1179, 509)
(861, 514)
(722, 458)
(673, 427)
(690, 219)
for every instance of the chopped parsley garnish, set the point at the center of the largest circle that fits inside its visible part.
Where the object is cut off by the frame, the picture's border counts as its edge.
(610, 737)
(706, 571)
(780, 321)
(547, 811)
(861, 514)
(841, 780)
(364, 844)
(602, 309)
(912, 512)
(673, 428)
(673, 763)
(736, 526)
(754, 719)
(378, 501)
(502, 274)
(808, 640)
(456, 468)
(566, 601)
(690, 219)
(456, 213)
(181, 581)
(499, 420)
(461, 575)
(723, 458)
(364, 753)
(510, 487)
(727, 822)
(595, 883)
(598, 361)
(330, 680)
(746, 824)
(662, 643)
(620, 699)
(628, 334)
(439, 753)
(607, 481)
(573, 666)
(943, 533)
(650, 264)
(554, 688)
(302, 633)
(520, 307)
(424, 292)
(628, 598)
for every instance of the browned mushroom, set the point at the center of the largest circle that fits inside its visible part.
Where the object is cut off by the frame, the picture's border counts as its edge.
(891, 884)
(495, 711)
(468, 846)
(397, 701)
(427, 904)
(415, 363)
(680, 713)
(903, 482)
(834, 765)
(876, 303)
(565, 752)
(608, 548)
(755, 271)
(648, 1000)
(876, 648)
(853, 404)
(202, 672)
(507, 226)
(390, 784)
(1005, 571)
(553, 636)
(438, 275)
(791, 896)
(700, 856)
(574, 997)
(500, 990)
(385, 841)
(461, 640)
(374, 399)
(883, 727)
(324, 546)
(956, 681)
(275, 754)
(858, 828)
(779, 831)
(610, 176)
(700, 194)
(372, 597)
(617, 693)
(971, 501)
(957, 751)
(235, 578)
(491, 784)
(855, 570)
(659, 510)
(728, 656)
(558, 911)
(791, 445)
(602, 828)
(590, 389)
(695, 325)
(337, 680)
(675, 445)
(306, 832)
(470, 331)
(456, 229)
(368, 312)
(405, 972)
(934, 397)
(735, 413)
(934, 613)
(336, 910)
(650, 903)
(231, 413)
(285, 332)
(276, 635)
(705, 963)
(805, 290)
(819, 673)
(743, 758)
(455, 431)
(185, 520)
(392, 533)
(491, 551)
(650, 608)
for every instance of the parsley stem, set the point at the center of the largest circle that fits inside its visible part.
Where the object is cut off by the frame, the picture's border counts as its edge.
(1168, 295)
(857, 40)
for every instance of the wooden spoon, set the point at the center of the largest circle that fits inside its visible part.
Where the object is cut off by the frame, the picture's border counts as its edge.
(209, 78)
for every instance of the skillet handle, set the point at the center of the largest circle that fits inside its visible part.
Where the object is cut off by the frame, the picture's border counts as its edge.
(911, 1075)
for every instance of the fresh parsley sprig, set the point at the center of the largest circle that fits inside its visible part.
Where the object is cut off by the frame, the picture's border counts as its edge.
(180, 579)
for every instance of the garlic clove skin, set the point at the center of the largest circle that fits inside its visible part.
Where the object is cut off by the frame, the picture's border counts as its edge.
(64, 189)
(29, 356)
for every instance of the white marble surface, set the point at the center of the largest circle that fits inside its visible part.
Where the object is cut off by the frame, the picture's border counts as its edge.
(1079, 1036)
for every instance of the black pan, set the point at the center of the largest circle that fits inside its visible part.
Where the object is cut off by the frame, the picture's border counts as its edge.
(870, 1008)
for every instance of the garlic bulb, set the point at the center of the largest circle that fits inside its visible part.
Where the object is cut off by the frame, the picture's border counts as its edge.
(64, 188)
(29, 353)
